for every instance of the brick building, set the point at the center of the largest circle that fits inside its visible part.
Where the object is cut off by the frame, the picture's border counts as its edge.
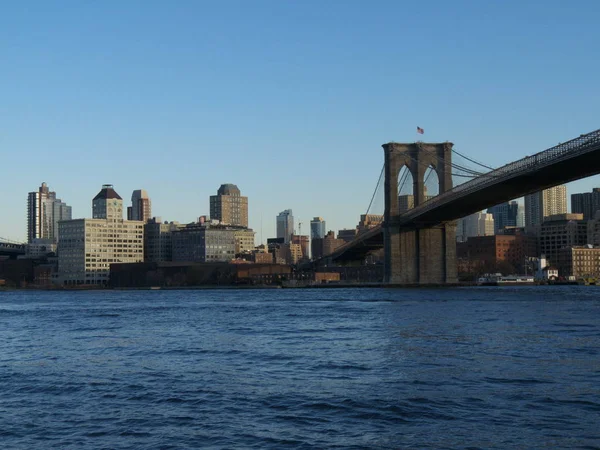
(503, 253)
(580, 262)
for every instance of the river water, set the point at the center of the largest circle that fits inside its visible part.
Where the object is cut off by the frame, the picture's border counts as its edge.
(495, 367)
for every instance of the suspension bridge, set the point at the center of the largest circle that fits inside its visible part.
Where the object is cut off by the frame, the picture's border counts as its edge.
(419, 241)
(11, 248)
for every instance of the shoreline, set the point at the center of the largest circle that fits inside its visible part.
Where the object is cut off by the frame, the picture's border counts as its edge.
(295, 286)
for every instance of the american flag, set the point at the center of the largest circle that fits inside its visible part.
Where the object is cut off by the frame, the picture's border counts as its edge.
(420, 130)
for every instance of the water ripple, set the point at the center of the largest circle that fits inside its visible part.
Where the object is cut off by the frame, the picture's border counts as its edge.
(347, 369)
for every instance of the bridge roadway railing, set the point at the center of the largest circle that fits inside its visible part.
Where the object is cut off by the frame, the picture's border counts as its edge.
(580, 145)
(9, 244)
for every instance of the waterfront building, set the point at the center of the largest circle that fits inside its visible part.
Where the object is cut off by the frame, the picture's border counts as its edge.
(44, 211)
(587, 203)
(560, 231)
(204, 243)
(579, 262)
(141, 206)
(508, 214)
(229, 207)
(496, 253)
(593, 230)
(542, 204)
(158, 245)
(88, 247)
(285, 225)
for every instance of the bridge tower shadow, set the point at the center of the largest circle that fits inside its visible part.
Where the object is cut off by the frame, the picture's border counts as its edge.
(422, 254)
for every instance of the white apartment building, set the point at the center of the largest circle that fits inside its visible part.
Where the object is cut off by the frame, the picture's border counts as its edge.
(542, 204)
(88, 247)
(478, 224)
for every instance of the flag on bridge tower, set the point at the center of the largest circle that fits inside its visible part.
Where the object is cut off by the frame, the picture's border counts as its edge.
(420, 130)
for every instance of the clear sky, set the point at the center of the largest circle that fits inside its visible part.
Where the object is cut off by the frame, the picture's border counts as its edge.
(290, 100)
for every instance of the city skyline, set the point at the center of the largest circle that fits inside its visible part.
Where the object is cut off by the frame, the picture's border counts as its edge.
(278, 83)
(142, 193)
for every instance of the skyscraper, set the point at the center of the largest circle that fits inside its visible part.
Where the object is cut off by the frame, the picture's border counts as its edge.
(44, 211)
(545, 203)
(317, 228)
(478, 224)
(506, 215)
(285, 225)
(107, 204)
(229, 207)
(141, 207)
(586, 203)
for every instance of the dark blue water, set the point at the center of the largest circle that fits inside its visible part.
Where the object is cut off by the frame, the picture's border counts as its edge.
(362, 368)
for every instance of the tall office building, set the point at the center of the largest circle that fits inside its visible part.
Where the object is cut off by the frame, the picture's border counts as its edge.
(203, 243)
(506, 215)
(560, 231)
(317, 233)
(107, 204)
(407, 201)
(158, 240)
(478, 224)
(317, 228)
(548, 202)
(285, 225)
(586, 203)
(141, 207)
(44, 211)
(88, 247)
(229, 207)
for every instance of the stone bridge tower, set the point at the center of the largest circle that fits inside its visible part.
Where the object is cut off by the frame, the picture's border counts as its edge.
(417, 254)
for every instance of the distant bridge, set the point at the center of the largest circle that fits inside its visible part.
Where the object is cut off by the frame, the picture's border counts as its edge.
(12, 249)
(569, 161)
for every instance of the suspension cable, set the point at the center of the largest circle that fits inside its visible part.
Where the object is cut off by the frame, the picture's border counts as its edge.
(376, 189)
(472, 160)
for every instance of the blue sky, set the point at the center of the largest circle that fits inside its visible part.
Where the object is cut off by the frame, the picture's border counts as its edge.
(291, 101)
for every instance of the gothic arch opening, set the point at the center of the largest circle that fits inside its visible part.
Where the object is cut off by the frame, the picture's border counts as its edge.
(406, 198)
(431, 182)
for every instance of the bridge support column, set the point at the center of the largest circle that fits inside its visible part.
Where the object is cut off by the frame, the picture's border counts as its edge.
(422, 256)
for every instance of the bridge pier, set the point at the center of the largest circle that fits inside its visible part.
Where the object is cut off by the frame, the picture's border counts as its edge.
(419, 254)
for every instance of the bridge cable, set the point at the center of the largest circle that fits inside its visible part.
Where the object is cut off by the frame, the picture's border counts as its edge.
(403, 179)
(376, 189)
(453, 164)
(472, 160)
